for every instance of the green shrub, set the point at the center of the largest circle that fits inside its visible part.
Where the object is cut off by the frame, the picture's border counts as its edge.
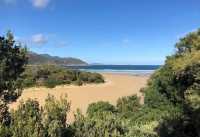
(127, 104)
(30, 120)
(99, 107)
(55, 115)
(106, 125)
(95, 78)
(27, 120)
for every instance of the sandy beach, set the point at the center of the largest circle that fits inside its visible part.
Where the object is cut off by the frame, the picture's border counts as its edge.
(116, 85)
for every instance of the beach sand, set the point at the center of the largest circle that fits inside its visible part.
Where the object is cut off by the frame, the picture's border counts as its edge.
(116, 85)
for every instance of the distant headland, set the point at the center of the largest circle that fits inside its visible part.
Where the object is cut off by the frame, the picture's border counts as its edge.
(37, 59)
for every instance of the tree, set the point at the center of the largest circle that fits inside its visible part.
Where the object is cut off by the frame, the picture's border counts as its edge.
(12, 63)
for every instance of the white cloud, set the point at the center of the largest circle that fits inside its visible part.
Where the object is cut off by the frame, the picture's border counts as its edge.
(39, 39)
(40, 3)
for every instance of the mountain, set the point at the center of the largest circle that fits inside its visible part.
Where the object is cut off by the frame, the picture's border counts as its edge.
(35, 58)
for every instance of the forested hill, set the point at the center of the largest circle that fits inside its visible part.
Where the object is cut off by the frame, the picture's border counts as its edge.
(35, 58)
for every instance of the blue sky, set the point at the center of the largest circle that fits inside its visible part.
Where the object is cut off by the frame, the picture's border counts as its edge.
(101, 31)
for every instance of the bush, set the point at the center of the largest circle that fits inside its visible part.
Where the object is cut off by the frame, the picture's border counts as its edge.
(106, 125)
(95, 78)
(55, 116)
(30, 120)
(127, 104)
(99, 107)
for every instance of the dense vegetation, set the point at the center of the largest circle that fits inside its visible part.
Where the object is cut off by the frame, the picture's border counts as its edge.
(171, 106)
(38, 59)
(31, 120)
(12, 63)
(51, 75)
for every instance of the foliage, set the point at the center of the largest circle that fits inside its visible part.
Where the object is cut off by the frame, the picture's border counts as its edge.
(55, 116)
(175, 126)
(99, 107)
(4, 114)
(105, 125)
(177, 82)
(51, 76)
(12, 62)
(128, 104)
(27, 117)
(139, 122)
(47, 121)
(4, 131)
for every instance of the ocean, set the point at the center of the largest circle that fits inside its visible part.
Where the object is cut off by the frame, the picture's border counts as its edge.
(122, 69)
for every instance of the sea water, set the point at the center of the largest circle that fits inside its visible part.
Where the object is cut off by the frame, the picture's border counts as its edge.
(122, 69)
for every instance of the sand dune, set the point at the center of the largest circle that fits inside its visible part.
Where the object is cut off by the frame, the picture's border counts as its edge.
(117, 85)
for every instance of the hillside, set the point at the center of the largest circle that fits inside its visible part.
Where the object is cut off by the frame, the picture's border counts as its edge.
(35, 58)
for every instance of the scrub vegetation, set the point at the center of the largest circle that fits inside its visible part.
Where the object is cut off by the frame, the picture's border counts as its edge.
(171, 102)
(52, 75)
